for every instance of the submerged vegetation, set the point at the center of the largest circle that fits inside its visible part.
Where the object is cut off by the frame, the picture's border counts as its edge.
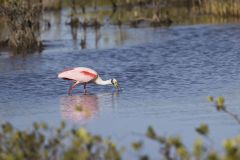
(45, 143)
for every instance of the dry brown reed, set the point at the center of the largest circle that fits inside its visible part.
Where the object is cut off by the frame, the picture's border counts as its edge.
(51, 4)
(222, 7)
(23, 24)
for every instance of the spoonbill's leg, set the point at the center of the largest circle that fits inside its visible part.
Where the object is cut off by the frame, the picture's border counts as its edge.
(85, 90)
(71, 87)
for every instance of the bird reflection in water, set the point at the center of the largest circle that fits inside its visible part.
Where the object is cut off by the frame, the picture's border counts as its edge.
(82, 108)
(79, 108)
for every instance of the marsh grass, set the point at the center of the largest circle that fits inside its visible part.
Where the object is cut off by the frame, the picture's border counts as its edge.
(225, 8)
(51, 5)
(23, 24)
(23, 17)
(162, 12)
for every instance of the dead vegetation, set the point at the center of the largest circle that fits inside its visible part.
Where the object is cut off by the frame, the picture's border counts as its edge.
(23, 24)
(23, 17)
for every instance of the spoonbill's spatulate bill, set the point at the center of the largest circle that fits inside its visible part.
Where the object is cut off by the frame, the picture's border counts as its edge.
(83, 75)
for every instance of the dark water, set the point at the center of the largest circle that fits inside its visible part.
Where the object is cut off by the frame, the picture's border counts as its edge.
(165, 75)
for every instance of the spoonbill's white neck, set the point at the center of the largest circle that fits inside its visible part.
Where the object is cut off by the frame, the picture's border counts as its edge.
(102, 82)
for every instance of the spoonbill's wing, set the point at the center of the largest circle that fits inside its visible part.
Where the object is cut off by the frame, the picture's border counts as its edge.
(81, 74)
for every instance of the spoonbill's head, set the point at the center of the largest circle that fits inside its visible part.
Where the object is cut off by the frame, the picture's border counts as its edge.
(115, 83)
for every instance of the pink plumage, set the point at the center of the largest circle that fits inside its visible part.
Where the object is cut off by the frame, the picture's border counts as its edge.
(80, 74)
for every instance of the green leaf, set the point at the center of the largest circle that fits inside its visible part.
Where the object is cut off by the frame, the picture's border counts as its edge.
(175, 141)
(210, 99)
(7, 128)
(137, 145)
(151, 133)
(198, 148)
(203, 129)
(220, 103)
(212, 156)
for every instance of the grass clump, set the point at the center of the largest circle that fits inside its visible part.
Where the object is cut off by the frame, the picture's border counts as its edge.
(23, 24)
(224, 8)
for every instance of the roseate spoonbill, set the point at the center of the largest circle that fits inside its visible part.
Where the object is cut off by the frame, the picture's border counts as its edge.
(83, 75)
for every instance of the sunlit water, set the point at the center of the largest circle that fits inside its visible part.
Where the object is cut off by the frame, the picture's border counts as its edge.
(165, 75)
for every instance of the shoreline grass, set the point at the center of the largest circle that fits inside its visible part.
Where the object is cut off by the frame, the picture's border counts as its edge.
(23, 18)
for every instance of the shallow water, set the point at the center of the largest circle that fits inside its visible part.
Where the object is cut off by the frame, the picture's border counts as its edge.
(165, 75)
